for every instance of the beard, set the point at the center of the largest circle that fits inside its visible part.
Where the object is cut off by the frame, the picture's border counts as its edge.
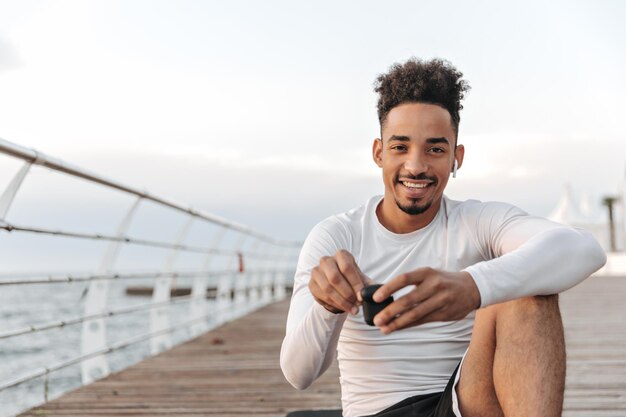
(414, 208)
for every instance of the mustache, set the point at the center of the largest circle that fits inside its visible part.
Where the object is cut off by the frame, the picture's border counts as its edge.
(419, 177)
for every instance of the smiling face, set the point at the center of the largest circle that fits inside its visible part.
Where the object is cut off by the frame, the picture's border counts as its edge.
(416, 153)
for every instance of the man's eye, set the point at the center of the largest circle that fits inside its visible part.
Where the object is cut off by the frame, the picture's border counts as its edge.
(398, 148)
(437, 150)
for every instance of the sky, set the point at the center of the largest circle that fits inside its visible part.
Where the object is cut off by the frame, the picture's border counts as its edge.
(264, 112)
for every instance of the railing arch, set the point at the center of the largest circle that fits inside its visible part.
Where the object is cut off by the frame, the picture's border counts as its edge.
(255, 274)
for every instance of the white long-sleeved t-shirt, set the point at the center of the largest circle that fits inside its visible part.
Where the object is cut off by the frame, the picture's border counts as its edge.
(508, 253)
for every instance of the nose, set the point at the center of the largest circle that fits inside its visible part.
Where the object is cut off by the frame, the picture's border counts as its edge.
(415, 164)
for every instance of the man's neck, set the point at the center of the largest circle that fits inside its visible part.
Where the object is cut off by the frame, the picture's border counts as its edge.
(397, 221)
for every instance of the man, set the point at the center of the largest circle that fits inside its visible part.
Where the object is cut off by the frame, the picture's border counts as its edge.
(475, 328)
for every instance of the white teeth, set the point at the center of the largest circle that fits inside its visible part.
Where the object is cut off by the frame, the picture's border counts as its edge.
(413, 185)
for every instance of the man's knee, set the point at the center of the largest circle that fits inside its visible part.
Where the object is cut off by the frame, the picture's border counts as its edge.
(540, 306)
(540, 301)
(531, 321)
(537, 315)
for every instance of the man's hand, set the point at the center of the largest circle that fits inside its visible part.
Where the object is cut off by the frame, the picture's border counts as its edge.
(336, 283)
(437, 296)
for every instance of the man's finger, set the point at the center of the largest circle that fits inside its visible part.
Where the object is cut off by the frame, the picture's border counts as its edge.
(399, 282)
(330, 270)
(331, 296)
(315, 290)
(328, 297)
(415, 315)
(367, 281)
(350, 270)
(420, 294)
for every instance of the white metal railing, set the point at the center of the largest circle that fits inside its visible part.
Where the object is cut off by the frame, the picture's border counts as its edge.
(257, 266)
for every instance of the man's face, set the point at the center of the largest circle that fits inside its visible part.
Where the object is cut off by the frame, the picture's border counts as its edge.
(416, 153)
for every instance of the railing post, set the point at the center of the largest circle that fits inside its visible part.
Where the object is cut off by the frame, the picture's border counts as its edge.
(241, 281)
(11, 191)
(254, 277)
(159, 317)
(268, 273)
(93, 337)
(197, 307)
(223, 298)
(227, 283)
(280, 277)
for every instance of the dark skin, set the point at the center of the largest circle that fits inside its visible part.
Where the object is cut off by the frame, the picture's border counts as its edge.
(416, 154)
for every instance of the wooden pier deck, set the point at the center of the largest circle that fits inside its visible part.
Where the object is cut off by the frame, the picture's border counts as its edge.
(241, 376)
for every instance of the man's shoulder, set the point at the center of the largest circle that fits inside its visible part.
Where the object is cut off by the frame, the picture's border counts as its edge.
(345, 228)
(476, 209)
(352, 218)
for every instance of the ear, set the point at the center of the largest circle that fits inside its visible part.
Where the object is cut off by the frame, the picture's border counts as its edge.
(377, 152)
(459, 154)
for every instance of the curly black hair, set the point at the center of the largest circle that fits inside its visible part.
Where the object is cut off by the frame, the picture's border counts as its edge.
(417, 81)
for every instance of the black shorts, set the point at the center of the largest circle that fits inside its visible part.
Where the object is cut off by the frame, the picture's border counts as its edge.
(438, 404)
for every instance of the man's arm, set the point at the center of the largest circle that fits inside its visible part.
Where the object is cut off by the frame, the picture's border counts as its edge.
(311, 340)
(533, 256)
(326, 282)
(529, 256)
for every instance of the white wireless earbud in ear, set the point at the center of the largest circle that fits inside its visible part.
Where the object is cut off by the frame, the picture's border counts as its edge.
(456, 166)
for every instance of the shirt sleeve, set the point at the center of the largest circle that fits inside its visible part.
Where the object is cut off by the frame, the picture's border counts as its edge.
(527, 255)
(310, 343)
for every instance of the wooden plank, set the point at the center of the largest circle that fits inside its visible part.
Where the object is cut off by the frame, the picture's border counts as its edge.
(594, 316)
(242, 376)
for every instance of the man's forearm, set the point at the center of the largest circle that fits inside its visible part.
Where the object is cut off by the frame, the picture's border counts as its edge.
(311, 341)
(549, 263)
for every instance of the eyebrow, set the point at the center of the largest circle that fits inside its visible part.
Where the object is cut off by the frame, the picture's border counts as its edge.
(399, 138)
(438, 140)
(429, 140)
